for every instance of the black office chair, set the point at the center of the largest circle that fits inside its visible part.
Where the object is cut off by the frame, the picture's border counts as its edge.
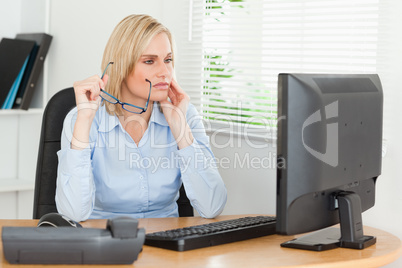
(46, 170)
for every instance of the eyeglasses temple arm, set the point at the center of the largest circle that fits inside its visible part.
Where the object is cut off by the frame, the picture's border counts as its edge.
(149, 95)
(106, 69)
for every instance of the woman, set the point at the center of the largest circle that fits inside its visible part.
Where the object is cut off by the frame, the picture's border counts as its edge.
(126, 148)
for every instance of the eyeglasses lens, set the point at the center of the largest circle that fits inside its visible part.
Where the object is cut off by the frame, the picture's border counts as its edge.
(107, 97)
(132, 109)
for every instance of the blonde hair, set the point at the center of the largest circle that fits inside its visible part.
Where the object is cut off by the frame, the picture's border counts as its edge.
(126, 44)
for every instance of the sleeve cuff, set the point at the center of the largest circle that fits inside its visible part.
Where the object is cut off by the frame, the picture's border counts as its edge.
(195, 157)
(75, 162)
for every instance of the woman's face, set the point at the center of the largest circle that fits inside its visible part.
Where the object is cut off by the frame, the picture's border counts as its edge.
(156, 65)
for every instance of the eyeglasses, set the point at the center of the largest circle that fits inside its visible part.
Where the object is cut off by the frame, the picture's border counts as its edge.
(126, 106)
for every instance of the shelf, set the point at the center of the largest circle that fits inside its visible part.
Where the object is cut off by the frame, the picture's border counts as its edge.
(13, 185)
(21, 112)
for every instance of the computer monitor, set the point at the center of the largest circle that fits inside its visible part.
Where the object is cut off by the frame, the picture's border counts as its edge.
(329, 151)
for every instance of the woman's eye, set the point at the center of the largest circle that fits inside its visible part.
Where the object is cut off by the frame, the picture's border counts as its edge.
(168, 60)
(149, 61)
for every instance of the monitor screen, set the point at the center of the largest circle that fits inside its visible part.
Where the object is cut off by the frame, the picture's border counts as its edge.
(329, 151)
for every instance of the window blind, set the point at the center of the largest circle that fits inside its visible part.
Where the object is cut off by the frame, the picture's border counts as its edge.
(235, 50)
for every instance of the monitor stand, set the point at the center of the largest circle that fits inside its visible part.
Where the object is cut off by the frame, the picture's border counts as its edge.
(350, 234)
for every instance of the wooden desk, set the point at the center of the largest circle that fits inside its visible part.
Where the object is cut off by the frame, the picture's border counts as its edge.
(259, 252)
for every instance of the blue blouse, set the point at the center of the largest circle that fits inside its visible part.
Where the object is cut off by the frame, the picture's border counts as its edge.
(115, 177)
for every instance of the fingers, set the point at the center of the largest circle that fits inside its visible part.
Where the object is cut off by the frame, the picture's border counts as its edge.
(172, 96)
(104, 80)
(176, 88)
(89, 88)
(176, 93)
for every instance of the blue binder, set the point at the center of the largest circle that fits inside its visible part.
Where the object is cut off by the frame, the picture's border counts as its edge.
(33, 69)
(8, 103)
(13, 57)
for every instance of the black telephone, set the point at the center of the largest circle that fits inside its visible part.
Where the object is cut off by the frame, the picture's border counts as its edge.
(119, 243)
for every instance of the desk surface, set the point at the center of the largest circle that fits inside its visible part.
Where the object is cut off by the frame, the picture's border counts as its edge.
(258, 252)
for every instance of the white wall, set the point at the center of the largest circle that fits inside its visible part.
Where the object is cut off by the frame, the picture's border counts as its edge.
(18, 16)
(10, 14)
(248, 167)
(386, 214)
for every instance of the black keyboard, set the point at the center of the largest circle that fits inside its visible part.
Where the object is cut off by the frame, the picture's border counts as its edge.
(211, 234)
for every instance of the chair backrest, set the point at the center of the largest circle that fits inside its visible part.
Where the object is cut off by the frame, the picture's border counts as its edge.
(46, 170)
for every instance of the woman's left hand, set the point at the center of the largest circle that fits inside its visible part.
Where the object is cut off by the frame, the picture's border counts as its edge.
(175, 113)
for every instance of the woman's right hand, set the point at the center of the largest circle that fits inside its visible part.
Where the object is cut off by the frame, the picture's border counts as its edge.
(87, 95)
